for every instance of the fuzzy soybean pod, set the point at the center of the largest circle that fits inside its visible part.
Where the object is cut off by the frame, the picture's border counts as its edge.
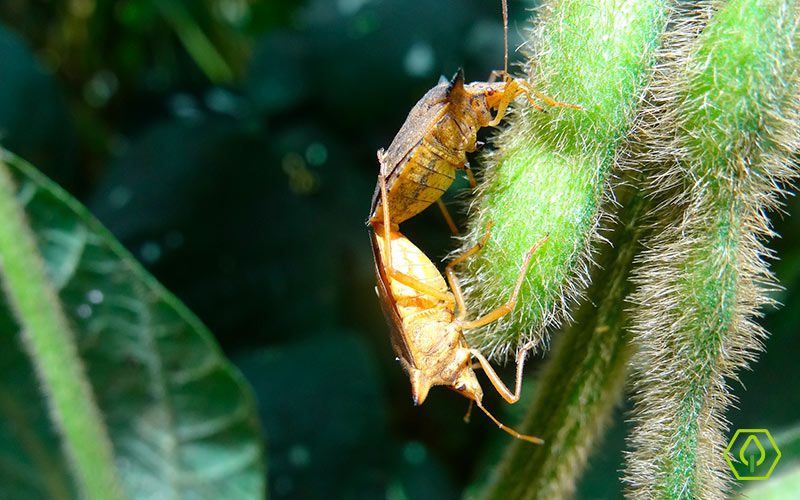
(549, 173)
(727, 130)
(583, 379)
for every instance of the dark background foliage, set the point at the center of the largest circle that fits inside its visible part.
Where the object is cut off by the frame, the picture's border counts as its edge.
(230, 145)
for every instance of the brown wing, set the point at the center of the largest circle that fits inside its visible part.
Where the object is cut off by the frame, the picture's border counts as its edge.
(389, 306)
(422, 118)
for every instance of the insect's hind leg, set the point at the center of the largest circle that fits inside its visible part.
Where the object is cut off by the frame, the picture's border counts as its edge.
(387, 241)
(399, 276)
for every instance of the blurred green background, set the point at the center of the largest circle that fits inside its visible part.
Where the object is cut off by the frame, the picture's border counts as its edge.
(230, 145)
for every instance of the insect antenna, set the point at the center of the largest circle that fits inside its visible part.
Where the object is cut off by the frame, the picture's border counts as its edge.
(509, 430)
(505, 37)
(469, 412)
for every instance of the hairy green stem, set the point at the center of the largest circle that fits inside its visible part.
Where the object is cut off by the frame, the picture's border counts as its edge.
(581, 383)
(50, 343)
(726, 138)
(550, 171)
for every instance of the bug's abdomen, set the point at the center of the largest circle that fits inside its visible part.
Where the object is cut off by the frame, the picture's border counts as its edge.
(410, 260)
(424, 180)
(424, 318)
(428, 169)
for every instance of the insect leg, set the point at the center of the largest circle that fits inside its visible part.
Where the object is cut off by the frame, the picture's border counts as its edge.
(391, 272)
(494, 378)
(512, 301)
(470, 175)
(453, 279)
(469, 411)
(443, 208)
(447, 217)
(529, 91)
(417, 285)
(386, 222)
(495, 74)
(512, 89)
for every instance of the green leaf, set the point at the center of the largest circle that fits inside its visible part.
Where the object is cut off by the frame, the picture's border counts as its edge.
(180, 419)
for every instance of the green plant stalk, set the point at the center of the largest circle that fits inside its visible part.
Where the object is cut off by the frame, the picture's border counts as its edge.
(550, 170)
(48, 339)
(582, 381)
(692, 442)
(731, 135)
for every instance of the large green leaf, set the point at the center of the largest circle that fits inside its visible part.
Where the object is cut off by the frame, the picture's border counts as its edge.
(181, 420)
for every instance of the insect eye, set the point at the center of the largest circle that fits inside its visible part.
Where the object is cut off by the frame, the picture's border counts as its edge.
(490, 92)
(461, 387)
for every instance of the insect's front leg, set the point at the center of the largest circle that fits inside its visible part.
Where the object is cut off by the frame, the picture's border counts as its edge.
(497, 74)
(512, 89)
(530, 93)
